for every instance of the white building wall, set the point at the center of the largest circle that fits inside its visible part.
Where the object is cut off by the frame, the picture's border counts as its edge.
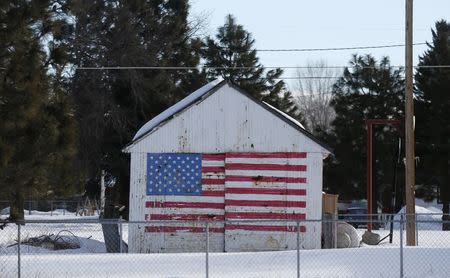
(226, 121)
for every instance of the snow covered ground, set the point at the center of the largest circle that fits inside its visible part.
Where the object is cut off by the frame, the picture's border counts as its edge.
(428, 260)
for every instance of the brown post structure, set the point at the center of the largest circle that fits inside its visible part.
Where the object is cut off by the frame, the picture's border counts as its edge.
(369, 124)
(409, 129)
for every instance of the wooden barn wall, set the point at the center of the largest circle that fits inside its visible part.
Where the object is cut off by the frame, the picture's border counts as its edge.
(227, 121)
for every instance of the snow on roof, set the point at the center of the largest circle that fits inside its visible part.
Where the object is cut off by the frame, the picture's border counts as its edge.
(185, 102)
(198, 94)
(285, 115)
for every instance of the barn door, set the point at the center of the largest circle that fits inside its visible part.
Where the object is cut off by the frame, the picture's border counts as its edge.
(267, 187)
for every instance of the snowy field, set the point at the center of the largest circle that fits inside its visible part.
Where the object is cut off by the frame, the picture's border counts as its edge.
(429, 259)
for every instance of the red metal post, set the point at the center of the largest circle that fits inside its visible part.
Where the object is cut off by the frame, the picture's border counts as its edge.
(369, 175)
(369, 124)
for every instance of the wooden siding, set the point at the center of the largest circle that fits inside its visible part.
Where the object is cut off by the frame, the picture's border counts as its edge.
(226, 121)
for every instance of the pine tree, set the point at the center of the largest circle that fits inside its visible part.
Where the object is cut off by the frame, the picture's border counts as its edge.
(232, 56)
(367, 90)
(433, 124)
(36, 148)
(113, 104)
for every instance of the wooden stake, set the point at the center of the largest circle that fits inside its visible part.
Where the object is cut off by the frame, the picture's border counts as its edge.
(409, 129)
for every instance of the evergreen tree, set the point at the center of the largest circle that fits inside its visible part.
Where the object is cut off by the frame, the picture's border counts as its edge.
(433, 123)
(232, 56)
(113, 104)
(367, 90)
(36, 131)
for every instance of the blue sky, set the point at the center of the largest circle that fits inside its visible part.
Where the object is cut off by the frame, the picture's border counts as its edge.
(326, 23)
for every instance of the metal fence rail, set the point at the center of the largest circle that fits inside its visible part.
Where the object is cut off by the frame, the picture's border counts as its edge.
(77, 247)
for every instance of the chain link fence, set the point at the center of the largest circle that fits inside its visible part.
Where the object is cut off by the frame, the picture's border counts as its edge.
(107, 248)
(54, 207)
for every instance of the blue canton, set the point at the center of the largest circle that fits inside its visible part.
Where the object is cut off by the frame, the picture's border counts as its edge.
(174, 174)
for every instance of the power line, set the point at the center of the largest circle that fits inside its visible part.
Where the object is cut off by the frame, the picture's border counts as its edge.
(336, 48)
(245, 68)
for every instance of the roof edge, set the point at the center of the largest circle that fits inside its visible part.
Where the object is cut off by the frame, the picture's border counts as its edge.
(177, 111)
(282, 117)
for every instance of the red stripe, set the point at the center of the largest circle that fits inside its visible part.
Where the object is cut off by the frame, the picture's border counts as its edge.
(213, 169)
(150, 204)
(274, 191)
(170, 229)
(265, 228)
(264, 215)
(213, 157)
(265, 179)
(267, 155)
(275, 167)
(183, 217)
(213, 181)
(264, 203)
(214, 193)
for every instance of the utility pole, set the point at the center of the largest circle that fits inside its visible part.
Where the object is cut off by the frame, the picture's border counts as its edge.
(409, 129)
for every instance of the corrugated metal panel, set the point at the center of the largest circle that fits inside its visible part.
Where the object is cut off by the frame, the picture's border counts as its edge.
(227, 121)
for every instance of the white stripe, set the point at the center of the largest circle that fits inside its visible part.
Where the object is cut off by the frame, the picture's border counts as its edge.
(275, 185)
(265, 209)
(213, 187)
(264, 197)
(273, 222)
(188, 223)
(212, 175)
(283, 161)
(213, 163)
(266, 173)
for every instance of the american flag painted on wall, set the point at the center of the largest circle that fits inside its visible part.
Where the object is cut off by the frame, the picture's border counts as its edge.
(230, 186)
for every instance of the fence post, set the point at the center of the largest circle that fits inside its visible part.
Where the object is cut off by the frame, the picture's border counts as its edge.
(298, 249)
(18, 250)
(417, 229)
(207, 250)
(120, 234)
(401, 245)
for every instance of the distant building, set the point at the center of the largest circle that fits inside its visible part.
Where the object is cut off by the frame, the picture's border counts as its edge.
(220, 155)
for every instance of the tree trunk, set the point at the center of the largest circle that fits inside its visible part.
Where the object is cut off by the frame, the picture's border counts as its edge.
(17, 206)
(445, 191)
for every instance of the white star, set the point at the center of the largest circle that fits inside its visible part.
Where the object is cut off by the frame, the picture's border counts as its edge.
(187, 158)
